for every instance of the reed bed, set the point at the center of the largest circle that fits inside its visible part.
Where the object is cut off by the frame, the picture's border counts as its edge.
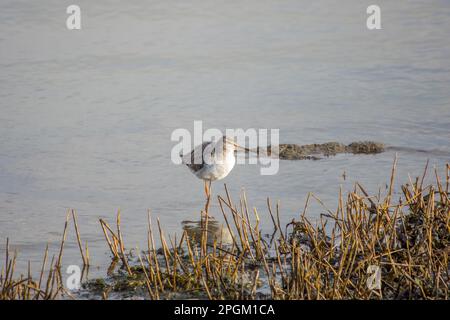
(402, 237)
(49, 283)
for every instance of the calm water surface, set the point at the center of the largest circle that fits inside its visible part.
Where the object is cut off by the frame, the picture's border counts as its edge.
(86, 116)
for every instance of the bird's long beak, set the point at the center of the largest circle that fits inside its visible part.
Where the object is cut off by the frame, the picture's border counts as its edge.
(238, 147)
(242, 148)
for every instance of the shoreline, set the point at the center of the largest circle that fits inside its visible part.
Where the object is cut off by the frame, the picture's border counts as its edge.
(330, 258)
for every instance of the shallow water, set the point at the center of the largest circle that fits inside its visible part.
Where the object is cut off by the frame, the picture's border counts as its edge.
(86, 116)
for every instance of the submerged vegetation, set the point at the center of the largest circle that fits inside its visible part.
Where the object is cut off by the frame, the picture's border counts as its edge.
(406, 237)
(316, 151)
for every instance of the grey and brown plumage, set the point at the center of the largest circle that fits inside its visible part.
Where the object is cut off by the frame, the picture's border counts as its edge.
(212, 160)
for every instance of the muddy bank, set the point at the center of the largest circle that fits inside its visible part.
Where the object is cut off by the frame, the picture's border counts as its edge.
(317, 151)
(408, 244)
(334, 256)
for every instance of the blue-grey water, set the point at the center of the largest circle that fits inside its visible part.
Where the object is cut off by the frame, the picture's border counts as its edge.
(86, 115)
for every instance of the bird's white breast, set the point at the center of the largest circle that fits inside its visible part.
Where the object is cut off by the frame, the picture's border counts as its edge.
(219, 169)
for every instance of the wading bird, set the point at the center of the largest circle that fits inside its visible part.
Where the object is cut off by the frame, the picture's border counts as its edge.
(212, 161)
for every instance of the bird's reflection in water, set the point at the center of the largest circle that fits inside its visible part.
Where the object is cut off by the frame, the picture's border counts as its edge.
(216, 231)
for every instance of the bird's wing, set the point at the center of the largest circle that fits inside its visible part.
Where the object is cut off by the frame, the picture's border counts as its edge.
(194, 159)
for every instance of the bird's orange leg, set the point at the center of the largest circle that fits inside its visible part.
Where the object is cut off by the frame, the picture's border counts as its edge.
(209, 188)
(206, 188)
(208, 195)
